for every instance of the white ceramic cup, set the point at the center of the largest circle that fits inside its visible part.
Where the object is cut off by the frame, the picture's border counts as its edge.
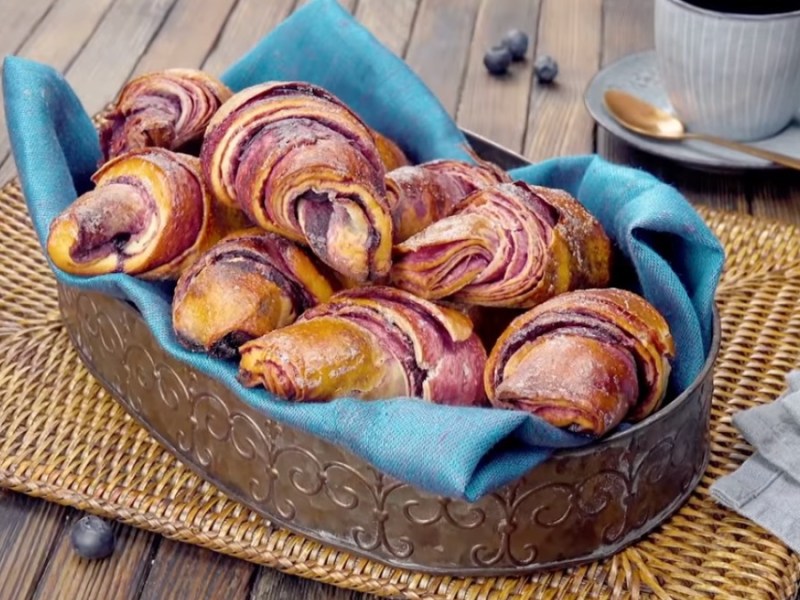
(732, 75)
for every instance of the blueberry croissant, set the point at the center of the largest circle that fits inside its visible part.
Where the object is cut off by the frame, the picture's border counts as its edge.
(371, 342)
(585, 360)
(511, 245)
(166, 109)
(302, 164)
(149, 215)
(245, 286)
(423, 194)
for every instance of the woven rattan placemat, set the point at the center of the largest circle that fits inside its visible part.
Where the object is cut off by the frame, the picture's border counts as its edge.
(63, 438)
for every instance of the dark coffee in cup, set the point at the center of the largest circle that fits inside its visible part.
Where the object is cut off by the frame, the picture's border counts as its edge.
(748, 7)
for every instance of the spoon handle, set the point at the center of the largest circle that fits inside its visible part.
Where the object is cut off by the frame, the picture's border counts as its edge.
(781, 159)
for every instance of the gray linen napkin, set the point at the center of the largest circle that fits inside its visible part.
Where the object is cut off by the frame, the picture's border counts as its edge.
(766, 488)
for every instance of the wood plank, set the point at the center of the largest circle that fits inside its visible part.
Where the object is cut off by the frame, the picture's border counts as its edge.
(558, 123)
(776, 195)
(628, 28)
(718, 191)
(625, 30)
(439, 46)
(182, 571)
(247, 23)
(62, 33)
(497, 107)
(390, 22)
(56, 41)
(28, 529)
(348, 4)
(119, 576)
(113, 50)
(274, 585)
(7, 169)
(17, 20)
(187, 35)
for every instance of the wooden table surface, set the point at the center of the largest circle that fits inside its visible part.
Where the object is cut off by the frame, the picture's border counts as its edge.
(99, 44)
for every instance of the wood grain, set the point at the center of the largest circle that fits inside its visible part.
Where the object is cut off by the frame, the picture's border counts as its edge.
(390, 22)
(246, 24)
(274, 585)
(558, 123)
(7, 168)
(109, 57)
(719, 191)
(439, 46)
(776, 195)
(56, 40)
(186, 36)
(348, 4)
(28, 528)
(625, 32)
(119, 576)
(17, 20)
(627, 28)
(63, 32)
(497, 107)
(182, 572)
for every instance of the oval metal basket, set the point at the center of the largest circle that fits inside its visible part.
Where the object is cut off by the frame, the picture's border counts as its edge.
(578, 506)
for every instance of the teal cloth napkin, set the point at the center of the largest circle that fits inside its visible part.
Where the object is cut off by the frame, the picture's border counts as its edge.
(672, 257)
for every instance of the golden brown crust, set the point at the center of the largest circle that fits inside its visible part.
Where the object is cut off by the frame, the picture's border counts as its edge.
(164, 109)
(303, 165)
(246, 286)
(423, 194)
(391, 154)
(149, 215)
(368, 343)
(583, 360)
(508, 245)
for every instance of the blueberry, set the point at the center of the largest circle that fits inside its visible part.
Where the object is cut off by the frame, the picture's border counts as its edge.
(92, 538)
(546, 69)
(517, 43)
(497, 60)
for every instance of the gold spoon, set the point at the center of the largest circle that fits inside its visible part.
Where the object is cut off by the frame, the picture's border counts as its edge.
(646, 119)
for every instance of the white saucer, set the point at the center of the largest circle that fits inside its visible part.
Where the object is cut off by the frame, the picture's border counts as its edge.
(638, 74)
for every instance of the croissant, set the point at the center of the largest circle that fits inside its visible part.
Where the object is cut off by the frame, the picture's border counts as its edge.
(391, 154)
(245, 286)
(166, 109)
(584, 360)
(371, 342)
(511, 245)
(302, 164)
(423, 194)
(149, 215)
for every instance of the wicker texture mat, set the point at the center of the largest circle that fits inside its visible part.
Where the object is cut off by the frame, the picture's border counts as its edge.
(63, 438)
